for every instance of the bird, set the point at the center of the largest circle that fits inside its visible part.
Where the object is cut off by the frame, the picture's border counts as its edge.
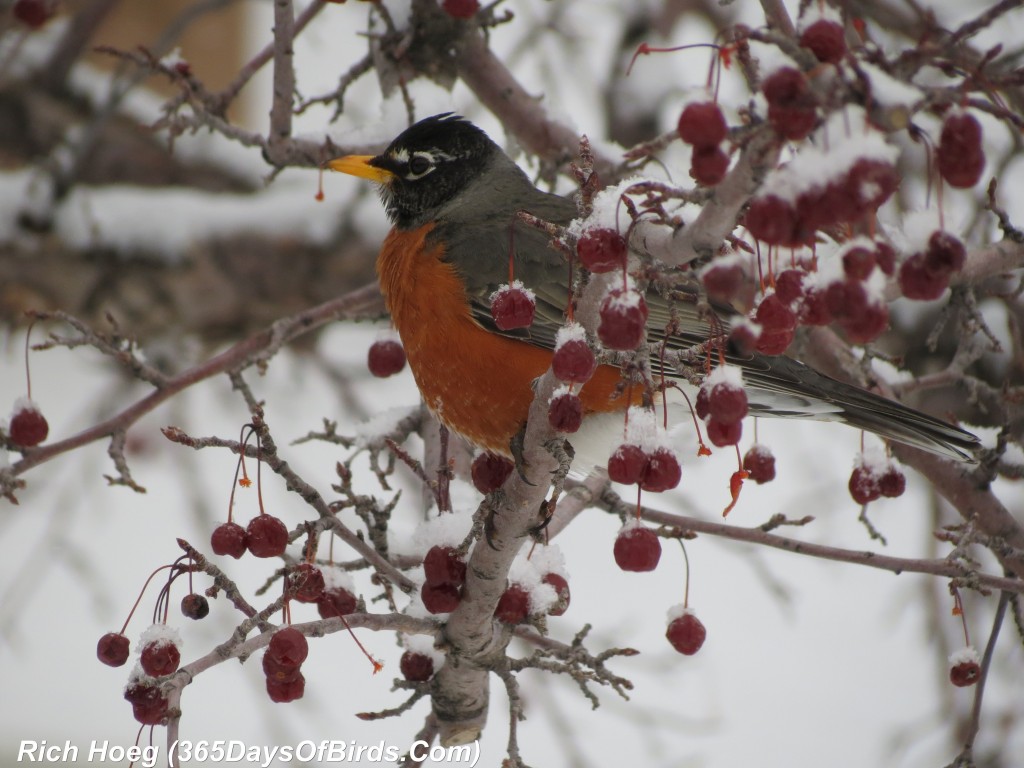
(453, 196)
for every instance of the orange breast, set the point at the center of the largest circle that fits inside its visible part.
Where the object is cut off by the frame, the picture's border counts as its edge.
(477, 382)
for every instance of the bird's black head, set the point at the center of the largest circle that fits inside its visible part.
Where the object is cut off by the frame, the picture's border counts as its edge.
(425, 167)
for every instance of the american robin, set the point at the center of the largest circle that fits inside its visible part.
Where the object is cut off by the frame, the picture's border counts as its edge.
(452, 196)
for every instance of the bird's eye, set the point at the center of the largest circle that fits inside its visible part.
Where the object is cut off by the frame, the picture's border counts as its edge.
(420, 165)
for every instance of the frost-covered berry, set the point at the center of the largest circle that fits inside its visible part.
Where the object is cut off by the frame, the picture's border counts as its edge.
(885, 257)
(513, 306)
(661, 471)
(442, 565)
(28, 427)
(336, 601)
(814, 308)
(919, 282)
(490, 471)
(858, 262)
(964, 667)
(514, 605)
(266, 536)
(573, 361)
(869, 183)
(626, 464)
(561, 587)
(623, 319)
(826, 40)
(945, 254)
(308, 582)
(727, 401)
(686, 633)
(637, 549)
(702, 125)
(723, 281)
(959, 156)
(708, 165)
(149, 706)
(385, 358)
(565, 412)
(229, 539)
(416, 667)
(602, 250)
(159, 658)
(778, 325)
(771, 220)
(892, 482)
(789, 285)
(195, 606)
(863, 485)
(112, 649)
(759, 463)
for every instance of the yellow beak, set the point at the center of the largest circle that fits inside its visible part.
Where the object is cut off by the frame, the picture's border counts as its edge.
(359, 165)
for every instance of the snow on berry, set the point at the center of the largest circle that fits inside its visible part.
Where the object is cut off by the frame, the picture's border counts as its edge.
(308, 582)
(727, 399)
(685, 631)
(759, 463)
(724, 278)
(662, 471)
(602, 249)
(513, 306)
(573, 361)
(339, 595)
(964, 667)
(159, 650)
(637, 548)
(565, 410)
(527, 574)
(623, 318)
(28, 427)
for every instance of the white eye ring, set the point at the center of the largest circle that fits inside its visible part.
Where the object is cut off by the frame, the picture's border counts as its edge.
(420, 164)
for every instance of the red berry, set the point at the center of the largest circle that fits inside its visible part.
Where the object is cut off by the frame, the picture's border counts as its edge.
(743, 339)
(814, 308)
(701, 405)
(275, 670)
(702, 125)
(959, 156)
(194, 606)
(308, 582)
(775, 342)
(815, 210)
(919, 282)
(28, 427)
(229, 539)
(565, 412)
(637, 549)
(416, 667)
(793, 123)
(723, 281)
(727, 402)
(661, 472)
(385, 358)
(148, 704)
(266, 536)
(723, 435)
(623, 323)
(846, 298)
(964, 674)
(858, 263)
(461, 9)
(892, 482)
(773, 314)
(112, 649)
(284, 691)
(945, 254)
(160, 658)
(686, 633)
(759, 463)
(771, 220)
(789, 285)
(514, 605)
(602, 250)
(826, 41)
(869, 183)
(787, 87)
(885, 257)
(336, 601)
(627, 464)
(440, 598)
(513, 306)
(490, 471)
(32, 13)
(708, 165)
(868, 325)
(443, 566)
(288, 647)
(863, 485)
(561, 587)
(574, 362)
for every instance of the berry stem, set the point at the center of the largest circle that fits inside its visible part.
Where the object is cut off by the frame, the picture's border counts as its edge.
(958, 610)
(28, 371)
(686, 589)
(377, 665)
(139, 598)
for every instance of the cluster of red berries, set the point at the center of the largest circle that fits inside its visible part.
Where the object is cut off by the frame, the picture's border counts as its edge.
(702, 125)
(722, 403)
(330, 590)
(282, 665)
(622, 323)
(445, 573)
(637, 548)
(160, 656)
(643, 458)
(792, 106)
(27, 427)
(871, 479)
(265, 536)
(573, 363)
(386, 356)
(959, 156)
